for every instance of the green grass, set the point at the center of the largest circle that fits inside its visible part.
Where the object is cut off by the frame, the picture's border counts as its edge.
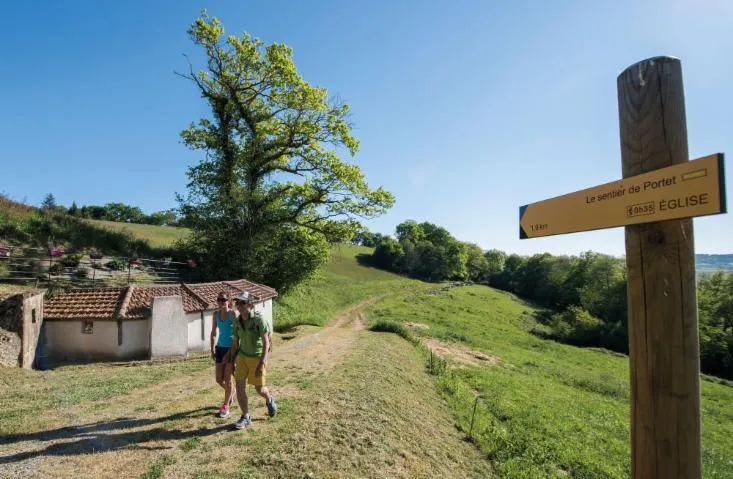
(70, 385)
(156, 236)
(359, 422)
(342, 283)
(156, 469)
(549, 410)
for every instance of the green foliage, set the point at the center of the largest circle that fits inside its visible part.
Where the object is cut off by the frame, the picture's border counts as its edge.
(49, 202)
(384, 326)
(70, 260)
(715, 298)
(547, 406)
(115, 265)
(576, 326)
(272, 172)
(429, 252)
(81, 273)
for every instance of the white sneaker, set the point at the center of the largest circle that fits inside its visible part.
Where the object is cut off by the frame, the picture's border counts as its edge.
(243, 422)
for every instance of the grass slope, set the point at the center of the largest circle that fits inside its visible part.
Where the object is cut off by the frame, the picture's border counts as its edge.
(548, 409)
(156, 236)
(342, 283)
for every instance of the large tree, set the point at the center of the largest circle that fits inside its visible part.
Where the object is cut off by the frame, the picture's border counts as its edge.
(272, 174)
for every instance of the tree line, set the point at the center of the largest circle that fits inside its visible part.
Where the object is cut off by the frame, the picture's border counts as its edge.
(584, 296)
(119, 212)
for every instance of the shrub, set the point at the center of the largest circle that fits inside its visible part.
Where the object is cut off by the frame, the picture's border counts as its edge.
(81, 273)
(71, 261)
(115, 265)
(56, 268)
(577, 326)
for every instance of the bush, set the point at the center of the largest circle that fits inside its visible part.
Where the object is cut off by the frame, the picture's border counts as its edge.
(56, 268)
(576, 326)
(71, 261)
(115, 265)
(81, 273)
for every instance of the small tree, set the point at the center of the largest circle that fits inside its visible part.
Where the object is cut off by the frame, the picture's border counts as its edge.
(73, 210)
(49, 202)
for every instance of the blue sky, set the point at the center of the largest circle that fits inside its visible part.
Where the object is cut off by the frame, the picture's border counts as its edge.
(465, 110)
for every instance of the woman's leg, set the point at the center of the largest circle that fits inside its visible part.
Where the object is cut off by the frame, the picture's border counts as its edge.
(228, 389)
(220, 375)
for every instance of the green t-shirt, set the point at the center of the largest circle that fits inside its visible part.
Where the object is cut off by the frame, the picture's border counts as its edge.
(250, 341)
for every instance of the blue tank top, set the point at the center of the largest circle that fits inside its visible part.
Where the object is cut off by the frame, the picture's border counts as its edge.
(226, 329)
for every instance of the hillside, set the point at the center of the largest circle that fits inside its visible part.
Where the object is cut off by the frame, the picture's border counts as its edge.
(156, 236)
(354, 402)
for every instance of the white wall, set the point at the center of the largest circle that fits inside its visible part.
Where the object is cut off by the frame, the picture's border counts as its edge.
(135, 339)
(195, 340)
(64, 340)
(266, 310)
(168, 328)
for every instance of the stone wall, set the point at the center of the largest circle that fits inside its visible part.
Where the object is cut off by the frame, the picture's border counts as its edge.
(21, 317)
(10, 342)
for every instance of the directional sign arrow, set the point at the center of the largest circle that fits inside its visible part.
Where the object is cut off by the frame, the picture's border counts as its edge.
(695, 188)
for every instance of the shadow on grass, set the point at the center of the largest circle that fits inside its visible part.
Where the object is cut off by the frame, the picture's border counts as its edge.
(93, 437)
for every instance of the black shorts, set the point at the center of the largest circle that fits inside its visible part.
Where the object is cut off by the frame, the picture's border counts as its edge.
(219, 352)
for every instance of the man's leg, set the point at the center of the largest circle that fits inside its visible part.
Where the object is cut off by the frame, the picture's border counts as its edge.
(242, 396)
(264, 392)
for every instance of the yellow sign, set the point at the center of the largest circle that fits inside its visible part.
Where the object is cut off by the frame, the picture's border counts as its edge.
(694, 188)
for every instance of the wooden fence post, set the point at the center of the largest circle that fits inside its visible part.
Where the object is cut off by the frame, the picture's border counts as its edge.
(662, 296)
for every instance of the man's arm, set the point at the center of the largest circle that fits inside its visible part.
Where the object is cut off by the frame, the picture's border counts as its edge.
(265, 350)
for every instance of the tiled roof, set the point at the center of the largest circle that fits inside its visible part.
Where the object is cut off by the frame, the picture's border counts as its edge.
(141, 300)
(135, 301)
(209, 291)
(101, 303)
(259, 291)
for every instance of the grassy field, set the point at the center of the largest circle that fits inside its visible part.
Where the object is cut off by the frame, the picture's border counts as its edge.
(353, 402)
(342, 283)
(546, 409)
(156, 236)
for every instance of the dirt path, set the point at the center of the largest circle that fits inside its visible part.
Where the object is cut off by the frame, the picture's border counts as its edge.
(169, 429)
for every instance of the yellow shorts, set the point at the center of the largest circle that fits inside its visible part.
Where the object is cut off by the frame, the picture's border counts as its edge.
(244, 370)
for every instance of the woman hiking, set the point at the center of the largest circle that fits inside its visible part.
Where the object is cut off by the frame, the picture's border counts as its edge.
(223, 322)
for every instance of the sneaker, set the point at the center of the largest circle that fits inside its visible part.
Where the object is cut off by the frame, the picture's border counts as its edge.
(271, 406)
(223, 411)
(243, 422)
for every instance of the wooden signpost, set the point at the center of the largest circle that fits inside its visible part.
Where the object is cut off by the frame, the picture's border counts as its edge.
(661, 191)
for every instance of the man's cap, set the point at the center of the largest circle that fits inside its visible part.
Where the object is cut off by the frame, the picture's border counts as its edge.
(245, 297)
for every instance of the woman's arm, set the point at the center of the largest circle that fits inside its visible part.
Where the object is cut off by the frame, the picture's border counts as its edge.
(212, 337)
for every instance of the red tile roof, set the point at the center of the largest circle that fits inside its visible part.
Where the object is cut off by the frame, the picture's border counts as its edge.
(135, 301)
(259, 291)
(141, 300)
(209, 291)
(101, 303)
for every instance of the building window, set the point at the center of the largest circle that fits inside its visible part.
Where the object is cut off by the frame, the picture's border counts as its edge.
(87, 327)
(33, 315)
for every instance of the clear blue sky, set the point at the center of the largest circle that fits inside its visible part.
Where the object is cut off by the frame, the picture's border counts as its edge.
(465, 110)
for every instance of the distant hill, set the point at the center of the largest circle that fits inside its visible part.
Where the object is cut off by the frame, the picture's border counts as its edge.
(714, 262)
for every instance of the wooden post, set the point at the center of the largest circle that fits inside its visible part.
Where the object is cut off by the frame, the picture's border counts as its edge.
(662, 295)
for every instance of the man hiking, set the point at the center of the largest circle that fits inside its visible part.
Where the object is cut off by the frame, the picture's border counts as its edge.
(250, 347)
